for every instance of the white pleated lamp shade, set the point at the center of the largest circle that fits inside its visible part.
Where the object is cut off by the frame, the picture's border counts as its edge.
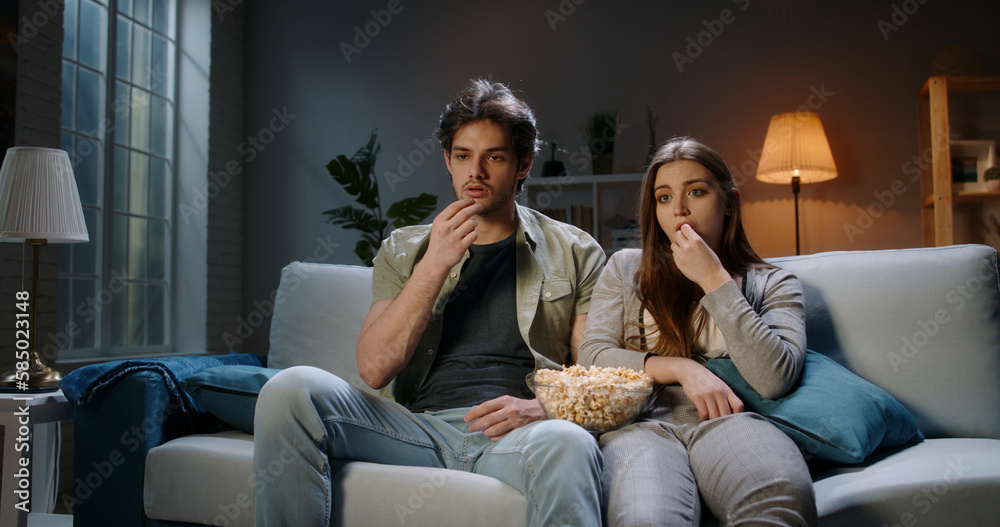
(39, 198)
(796, 145)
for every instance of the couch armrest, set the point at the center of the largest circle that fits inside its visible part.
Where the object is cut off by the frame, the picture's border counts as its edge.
(122, 410)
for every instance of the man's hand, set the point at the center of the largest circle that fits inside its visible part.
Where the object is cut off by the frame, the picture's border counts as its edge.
(390, 332)
(452, 232)
(496, 417)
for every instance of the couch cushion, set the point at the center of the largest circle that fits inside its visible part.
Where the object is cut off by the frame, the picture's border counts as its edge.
(429, 497)
(318, 311)
(229, 392)
(938, 482)
(206, 479)
(923, 324)
(202, 479)
(832, 414)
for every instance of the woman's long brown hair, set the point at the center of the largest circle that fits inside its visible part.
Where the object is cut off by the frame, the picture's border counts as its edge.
(669, 296)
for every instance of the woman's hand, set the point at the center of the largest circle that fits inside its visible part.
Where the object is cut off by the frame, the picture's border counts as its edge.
(697, 260)
(710, 394)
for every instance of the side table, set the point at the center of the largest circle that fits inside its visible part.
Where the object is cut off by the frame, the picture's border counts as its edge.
(19, 414)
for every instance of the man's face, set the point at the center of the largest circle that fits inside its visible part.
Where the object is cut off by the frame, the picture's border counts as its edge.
(484, 166)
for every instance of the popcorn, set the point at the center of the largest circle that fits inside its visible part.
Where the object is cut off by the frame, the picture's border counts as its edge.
(598, 399)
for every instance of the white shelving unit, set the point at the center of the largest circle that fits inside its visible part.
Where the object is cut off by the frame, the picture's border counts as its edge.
(606, 196)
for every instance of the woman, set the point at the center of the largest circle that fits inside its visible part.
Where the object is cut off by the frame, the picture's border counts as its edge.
(695, 291)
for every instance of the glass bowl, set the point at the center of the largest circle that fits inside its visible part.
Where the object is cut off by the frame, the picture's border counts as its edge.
(598, 404)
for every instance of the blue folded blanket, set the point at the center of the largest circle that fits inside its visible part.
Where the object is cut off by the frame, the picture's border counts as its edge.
(81, 385)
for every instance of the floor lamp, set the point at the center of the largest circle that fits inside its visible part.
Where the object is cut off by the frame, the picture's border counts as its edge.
(39, 204)
(796, 151)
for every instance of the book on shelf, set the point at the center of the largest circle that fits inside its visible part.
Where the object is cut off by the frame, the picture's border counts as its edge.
(576, 215)
(556, 214)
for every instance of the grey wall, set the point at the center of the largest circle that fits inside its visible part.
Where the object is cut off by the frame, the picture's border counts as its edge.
(570, 58)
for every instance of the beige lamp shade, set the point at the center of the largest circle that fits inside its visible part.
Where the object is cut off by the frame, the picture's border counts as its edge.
(38, 197)
(796, 145)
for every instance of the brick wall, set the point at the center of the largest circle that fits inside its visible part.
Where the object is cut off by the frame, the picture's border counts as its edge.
(36, 123)
(225, 213)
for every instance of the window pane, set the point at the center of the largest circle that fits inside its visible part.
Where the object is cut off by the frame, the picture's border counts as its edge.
(123, 113)
(160, 130)
(162, 10)
(84, 291)
(158, 187)
(87, 157)
(154, 315)
(121, 180)
(119, 316)
(89, 102)
(63, 300)
(69, 29)
(140, 56)
(119, 256)
(66, 143)
(157, 250)
(123, 49)
(65, 257)
(85, 254)
(68, 96)
(137, 248)
(137, 314)
(138, 184)
(140, 119)
(93, 44)
(140, 11)
(161, 66)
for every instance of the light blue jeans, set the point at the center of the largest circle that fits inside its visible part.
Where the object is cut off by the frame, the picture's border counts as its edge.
(307, 418)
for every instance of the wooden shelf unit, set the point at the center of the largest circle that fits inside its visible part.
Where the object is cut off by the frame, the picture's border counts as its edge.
(607, 196)
(937, 196)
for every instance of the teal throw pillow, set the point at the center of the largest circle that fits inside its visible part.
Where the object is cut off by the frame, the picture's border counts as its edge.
(832, 414)
(229, 392)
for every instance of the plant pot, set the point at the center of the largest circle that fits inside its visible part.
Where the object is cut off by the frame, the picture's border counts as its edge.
(993, 184)
(603, 162)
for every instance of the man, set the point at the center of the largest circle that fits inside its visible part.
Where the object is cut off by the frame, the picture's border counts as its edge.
(463, 311)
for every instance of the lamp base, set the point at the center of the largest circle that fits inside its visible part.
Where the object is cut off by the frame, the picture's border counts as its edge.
(40, 379)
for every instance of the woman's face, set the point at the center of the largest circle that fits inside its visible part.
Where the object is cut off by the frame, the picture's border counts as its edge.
(687, 192)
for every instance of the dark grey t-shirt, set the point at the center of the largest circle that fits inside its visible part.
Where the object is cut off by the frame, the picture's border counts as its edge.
(482, 354)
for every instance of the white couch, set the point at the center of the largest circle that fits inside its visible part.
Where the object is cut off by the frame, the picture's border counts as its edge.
(924, 324)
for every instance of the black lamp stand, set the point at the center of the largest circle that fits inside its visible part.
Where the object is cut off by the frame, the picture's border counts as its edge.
(796, 183)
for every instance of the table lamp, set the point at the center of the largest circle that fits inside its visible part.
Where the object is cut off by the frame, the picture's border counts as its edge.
(796, 151)
(39, 204)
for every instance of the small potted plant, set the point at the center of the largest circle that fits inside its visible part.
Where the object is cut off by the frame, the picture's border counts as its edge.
(600, 131)
(992, 178)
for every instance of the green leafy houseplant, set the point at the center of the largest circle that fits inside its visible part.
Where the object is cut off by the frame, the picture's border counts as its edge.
(992, 178)
(357, 175)
(600, 131)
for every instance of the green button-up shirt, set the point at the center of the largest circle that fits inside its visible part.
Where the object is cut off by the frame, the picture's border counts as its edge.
(557, 268)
